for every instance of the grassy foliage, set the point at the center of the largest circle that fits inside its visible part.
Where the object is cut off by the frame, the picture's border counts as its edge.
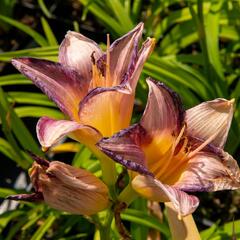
(197, 55)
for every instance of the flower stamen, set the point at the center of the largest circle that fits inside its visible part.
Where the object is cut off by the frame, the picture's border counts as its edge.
(108, 77)
(204, 144)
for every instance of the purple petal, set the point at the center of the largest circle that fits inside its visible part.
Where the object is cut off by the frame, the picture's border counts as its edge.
(62, 85)
(124, 148)
(123, 52)
(32, 197)
(41, 161)
(136, 64)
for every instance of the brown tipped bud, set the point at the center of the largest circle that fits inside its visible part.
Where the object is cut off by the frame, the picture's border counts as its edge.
(69, 189)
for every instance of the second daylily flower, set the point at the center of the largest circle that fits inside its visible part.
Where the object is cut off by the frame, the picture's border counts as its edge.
(172, 152)
(94, 89)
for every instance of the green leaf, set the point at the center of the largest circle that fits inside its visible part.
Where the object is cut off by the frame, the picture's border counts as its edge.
(44, 8)
(180, 36)
(49, 53)
(75, 237)
(15, 124)
(171, 72)
(36, 112)
(7, 149)
(217, 232)
(103, 16)
(82, 157)
(136, 9)
(30, 98)
(46, 225)
(138, 231)
(176, 17)
(14, 79)
(208, 32)
(52, 41)
(6, 217)
(35, 35)
(4, 192)
(144, 219)
(121, 14)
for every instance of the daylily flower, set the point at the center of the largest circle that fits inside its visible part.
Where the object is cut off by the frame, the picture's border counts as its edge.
(95, 90)
(172, 152)
(65, 188)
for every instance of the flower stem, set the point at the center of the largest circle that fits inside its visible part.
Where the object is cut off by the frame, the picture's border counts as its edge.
(105, 228)
(109, 173)
(184, 229)
(128, 195)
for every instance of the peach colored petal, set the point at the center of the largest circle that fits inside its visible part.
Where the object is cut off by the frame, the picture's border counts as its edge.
(106, 109)
(209, 118)
(76, 51)
(154, 190)
(210, 171)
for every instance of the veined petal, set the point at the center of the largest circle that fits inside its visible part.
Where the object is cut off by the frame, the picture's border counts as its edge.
(76, 51)
(156, 191)
(107, 109)
(73, 190)
(50, 131)
(136, 65)
(124, 148)
(62, 85)
(164, 111)
(210, 118)
(162, 119)
(123, 52)
(210, 171)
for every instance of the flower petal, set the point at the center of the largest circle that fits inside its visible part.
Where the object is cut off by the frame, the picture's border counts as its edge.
(210, 118)
(50, 131)
(162, 119)
(156, 191)
(123, 52)
(124, 148)
(107, 109)
(136, 65)
(76, 51)
(63, 85)
(210, 171)
(164, 111)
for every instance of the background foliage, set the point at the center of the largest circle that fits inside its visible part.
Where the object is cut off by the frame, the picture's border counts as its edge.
(197, 54)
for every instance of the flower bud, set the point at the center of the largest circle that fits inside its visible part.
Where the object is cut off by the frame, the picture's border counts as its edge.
(66, 188)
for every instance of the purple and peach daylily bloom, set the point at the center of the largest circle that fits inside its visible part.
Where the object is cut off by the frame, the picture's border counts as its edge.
(65, 188)
(95, 90)
(172, 152)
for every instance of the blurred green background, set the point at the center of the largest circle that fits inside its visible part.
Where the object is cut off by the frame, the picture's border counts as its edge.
(197, 54)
